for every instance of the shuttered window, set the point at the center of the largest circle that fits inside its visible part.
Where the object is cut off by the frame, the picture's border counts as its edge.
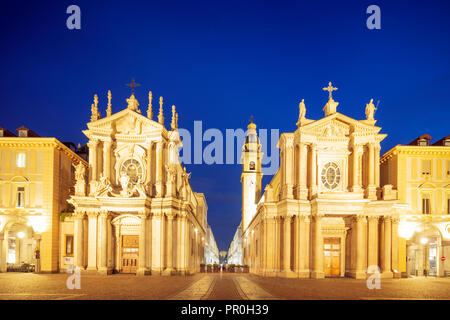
(426, 167)
(426, 208)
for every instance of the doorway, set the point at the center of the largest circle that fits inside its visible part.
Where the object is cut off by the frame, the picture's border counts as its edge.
(423, 252)
(130, 253)
(332, 257)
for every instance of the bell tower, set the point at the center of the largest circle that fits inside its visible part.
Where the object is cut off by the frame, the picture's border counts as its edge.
(251, 174)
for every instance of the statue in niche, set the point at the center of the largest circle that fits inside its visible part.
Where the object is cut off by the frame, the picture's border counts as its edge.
(124, 182)
(80, 185)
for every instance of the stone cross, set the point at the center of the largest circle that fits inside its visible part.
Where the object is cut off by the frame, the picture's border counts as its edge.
(132, 85)
(330, 89)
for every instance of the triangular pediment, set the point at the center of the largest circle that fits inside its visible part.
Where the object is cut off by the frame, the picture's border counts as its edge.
(127, 122)
(338, 125)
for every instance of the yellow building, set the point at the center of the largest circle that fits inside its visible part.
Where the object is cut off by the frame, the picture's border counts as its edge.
(421, 174)
(36, 177)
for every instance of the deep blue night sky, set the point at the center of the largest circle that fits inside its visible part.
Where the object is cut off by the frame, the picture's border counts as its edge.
(222, 61)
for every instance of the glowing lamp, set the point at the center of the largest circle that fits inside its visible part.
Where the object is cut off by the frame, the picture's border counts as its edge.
(20, 235)
(424, 241)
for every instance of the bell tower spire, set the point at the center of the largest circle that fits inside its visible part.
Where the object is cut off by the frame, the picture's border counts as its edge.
(251, 174)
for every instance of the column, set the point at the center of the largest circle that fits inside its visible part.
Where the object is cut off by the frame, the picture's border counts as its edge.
(313, 190)
(271, 225)
(79, 240)
(92, 241)
(2, 254)
(303, 253)
(103, 242)
(92, 144)
(278, 262)
(303, 171)
(110, 256)
(360, 272)
(385, 251)
(371, 188)
(371, 165)
(182, 244)
(394, 243)
(317, 272)
(372, 245)
(288, 191)
(159, 171)
(377, 165)
(142, 269)
(149, 244)
(169, 270)
(287, 247)
(355, 173)
(264, 247)
(107, 159)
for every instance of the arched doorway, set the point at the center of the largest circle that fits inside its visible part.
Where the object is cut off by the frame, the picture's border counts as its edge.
(424, 250)
(19, 245)
(126, 233)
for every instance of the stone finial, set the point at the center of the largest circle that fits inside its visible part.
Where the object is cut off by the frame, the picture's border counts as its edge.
(149, 109)
(173, 123)
(176, 120)
(161, 115)
(108, 109)
(95, 115)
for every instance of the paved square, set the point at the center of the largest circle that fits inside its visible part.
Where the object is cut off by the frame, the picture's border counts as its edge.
(29, 286)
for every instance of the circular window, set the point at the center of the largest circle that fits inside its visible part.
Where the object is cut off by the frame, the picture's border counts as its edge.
(331, 175)
(133, 169)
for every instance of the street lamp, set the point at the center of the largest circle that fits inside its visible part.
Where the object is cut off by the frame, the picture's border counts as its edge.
(424, 241)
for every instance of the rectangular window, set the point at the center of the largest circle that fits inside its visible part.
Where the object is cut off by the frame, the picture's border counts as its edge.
(69, 245)
(20, 197)
(426, 206)
(426, 167)
(21, 160)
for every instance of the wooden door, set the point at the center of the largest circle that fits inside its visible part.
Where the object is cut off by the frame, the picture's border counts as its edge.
(130, 254)
(332, 257)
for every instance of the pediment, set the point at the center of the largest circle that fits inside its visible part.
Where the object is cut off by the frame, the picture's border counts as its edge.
(337, 125)
(126, 122)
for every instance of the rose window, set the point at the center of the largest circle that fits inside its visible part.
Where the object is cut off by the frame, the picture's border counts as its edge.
(331, 175)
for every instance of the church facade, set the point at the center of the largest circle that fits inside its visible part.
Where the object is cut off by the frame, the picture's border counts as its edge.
(325, 213)
(134, 208)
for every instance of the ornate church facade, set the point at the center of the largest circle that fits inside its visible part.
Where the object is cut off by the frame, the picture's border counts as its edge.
(324, 213)
(134, 208)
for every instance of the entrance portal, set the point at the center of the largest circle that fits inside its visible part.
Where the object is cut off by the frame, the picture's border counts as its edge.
(130, 253)
(423, 252)
(332, 257)
(20, 249)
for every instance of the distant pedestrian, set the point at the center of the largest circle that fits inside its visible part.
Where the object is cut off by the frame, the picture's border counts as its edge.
(427, 268)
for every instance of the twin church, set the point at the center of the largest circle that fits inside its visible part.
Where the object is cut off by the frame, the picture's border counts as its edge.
(336, 208)
(124, 203)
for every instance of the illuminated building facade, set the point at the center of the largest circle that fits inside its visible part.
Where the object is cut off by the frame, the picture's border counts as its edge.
(420, 171)
(36, 178)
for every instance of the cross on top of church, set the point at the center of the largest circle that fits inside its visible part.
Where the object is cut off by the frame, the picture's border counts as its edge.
(132, 85)
(251, 119)
(330, 89)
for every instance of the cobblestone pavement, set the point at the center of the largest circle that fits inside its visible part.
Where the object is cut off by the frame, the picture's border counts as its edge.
(19, 286)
